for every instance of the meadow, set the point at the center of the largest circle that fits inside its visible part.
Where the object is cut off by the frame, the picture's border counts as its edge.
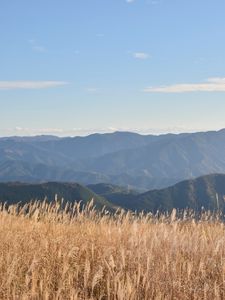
(64, 251)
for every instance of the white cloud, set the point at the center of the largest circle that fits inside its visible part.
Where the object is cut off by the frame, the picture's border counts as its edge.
(25, 131)
(36, 47)
(30, 85)
(35, 131)
(210, 85)
(100, 35)
(179, 128)
(92, 90)
(141, 55)
(18, 128)
(130, 1)
(40, 49)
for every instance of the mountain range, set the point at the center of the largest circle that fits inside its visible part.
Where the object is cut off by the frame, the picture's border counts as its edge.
(206, 191)
(140, 162)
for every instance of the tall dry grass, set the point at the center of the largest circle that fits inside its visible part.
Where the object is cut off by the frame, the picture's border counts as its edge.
(50, 253)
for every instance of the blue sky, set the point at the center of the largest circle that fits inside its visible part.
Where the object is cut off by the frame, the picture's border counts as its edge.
(80, 66)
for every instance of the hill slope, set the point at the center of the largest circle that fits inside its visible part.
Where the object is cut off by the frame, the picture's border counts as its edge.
(21, 192)
(206, 191)
(114, 193)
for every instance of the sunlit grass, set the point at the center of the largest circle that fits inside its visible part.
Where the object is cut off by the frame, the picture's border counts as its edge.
(50, 252)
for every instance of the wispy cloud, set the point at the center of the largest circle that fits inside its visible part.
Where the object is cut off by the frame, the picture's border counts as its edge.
(130, 1)
(210, 85)
(27, 131)
(141, 55)
(100, 35)
(35, 131)
(154, 2)
(35, 46)
(92, 90)
(30, 85)
(41, 49)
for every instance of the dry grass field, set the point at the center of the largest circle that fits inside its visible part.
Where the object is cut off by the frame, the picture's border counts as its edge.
(50, 253)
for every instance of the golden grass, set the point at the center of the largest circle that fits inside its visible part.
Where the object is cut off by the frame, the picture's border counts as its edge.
(49, 253)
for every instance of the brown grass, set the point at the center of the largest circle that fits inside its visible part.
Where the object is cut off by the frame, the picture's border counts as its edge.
(49, 253)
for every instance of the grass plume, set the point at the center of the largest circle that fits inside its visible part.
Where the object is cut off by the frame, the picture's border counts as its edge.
(65, 251)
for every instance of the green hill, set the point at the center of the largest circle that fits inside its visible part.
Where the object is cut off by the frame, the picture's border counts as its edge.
(206, 191)
(21, 192)
(113, 193)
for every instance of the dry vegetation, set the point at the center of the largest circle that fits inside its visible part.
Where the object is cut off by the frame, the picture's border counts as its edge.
(49, 253)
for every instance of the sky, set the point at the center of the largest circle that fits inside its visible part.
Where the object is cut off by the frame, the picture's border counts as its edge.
(76, 67)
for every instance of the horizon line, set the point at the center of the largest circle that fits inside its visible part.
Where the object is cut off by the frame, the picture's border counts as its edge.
(112, 132)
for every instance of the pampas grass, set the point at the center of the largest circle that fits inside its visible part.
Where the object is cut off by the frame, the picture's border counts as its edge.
(63, 251)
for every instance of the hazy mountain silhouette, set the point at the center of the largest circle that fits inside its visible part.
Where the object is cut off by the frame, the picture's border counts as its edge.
(122, 158)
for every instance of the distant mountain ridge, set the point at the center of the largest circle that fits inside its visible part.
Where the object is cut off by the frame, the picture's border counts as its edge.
(129, 159)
